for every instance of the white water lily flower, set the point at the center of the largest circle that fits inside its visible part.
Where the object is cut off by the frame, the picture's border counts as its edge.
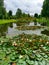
(14, 43)
(41, 45)
(20, 56)
(2, 41)
(47, 42)
(22, 39)
(27, 39)
(30, 40)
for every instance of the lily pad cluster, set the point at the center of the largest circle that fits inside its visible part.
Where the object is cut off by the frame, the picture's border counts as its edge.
(24, 50)
(29, 27)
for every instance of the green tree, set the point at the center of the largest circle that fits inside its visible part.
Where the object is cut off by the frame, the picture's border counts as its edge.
(45, 9)
(23, 15)
(36, 15)
(1, 3)
(28, 15)
(10, 14)
(2, 10)
(18, 13)
(1, 7)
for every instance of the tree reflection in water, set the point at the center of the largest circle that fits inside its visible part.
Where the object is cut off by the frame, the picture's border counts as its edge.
(4, 28)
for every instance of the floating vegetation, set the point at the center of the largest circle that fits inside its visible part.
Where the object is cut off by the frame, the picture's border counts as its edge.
(29, 27)
(46, 32)
(24, 50)
(22, 23)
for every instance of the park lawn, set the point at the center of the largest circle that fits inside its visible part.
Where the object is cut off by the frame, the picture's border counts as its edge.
(7, 21)
(40, 20)
(43, 20)
(4, 21)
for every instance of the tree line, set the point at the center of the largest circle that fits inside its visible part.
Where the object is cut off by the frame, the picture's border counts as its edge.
(19, 14)
(8, 15)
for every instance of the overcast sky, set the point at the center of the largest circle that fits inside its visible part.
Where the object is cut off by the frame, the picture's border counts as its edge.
(28, 6)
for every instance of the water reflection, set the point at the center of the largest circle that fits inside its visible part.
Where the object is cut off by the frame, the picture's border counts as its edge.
(22, 23)
(13, 32)
(11, 29)
(32, 24)
(27, 24)
(3, 29)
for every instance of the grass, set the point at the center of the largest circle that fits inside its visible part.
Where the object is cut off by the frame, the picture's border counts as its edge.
(7, 21)
(43, 20)
(40, 20)
(3, 21)
(12, 20)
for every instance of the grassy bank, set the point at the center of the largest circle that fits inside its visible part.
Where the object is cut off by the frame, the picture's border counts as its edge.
(7, 21)
(12, 20)
(3, 21)
(43, 20)
(26, 20)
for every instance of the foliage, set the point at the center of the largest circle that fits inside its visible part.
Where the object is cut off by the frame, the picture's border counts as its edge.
(1, 3)
(10, 14)
(7, 21)
(28, 15)
(23, 15)
(5, 15)
(45, 9)
(18, 13)
(43, 20)
(36, 15)
(2, 10)
(24, 50)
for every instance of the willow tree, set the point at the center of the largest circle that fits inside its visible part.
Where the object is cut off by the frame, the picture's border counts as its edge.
(45, 9)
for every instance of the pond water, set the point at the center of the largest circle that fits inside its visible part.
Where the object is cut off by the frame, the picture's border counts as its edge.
(32, 24)
(12, 30)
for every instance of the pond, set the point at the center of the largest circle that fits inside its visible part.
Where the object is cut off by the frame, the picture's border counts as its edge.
(13, 29)
(26, 48)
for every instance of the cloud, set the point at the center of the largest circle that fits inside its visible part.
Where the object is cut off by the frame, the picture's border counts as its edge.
(28, 6)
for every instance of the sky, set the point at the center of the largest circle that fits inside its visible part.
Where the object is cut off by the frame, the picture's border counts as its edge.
(27, 6)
